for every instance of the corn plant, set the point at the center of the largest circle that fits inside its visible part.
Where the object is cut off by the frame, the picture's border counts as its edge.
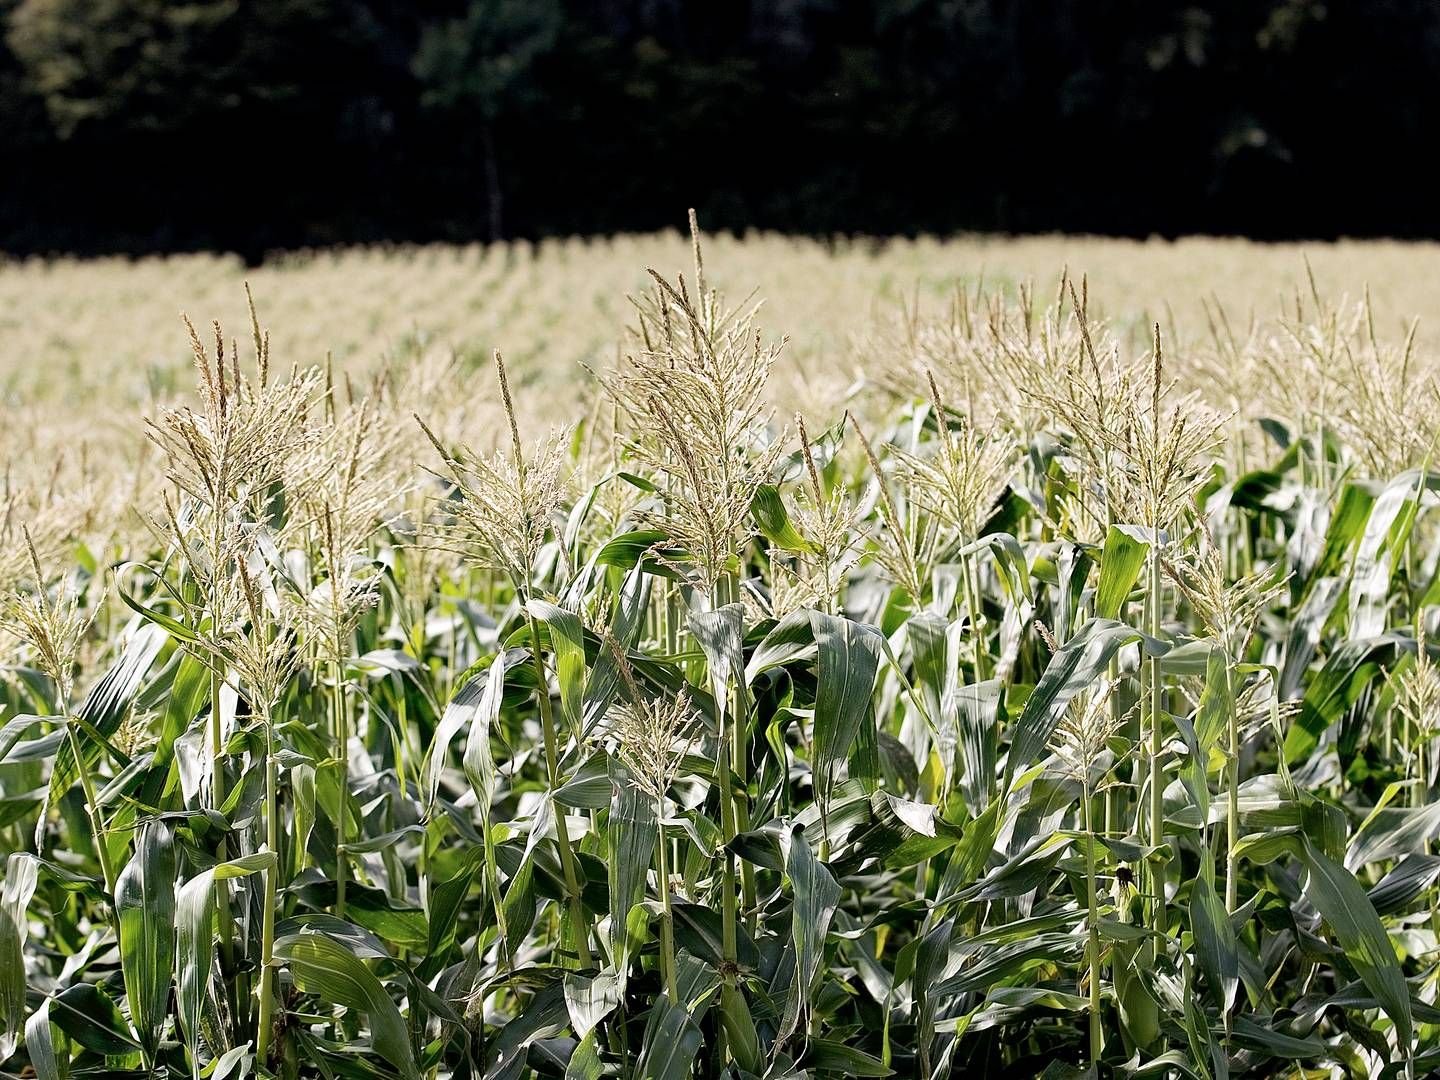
(1044, 709)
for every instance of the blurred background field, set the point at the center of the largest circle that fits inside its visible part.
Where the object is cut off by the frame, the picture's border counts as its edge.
(104, 339)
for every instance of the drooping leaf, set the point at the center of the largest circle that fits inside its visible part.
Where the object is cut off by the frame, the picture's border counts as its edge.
(145, 907)
(1215, 944)
(671, 1043)
(589, 999)
(21, 876)
(631, 835)
(816, 895)
(720, 633)
(481, 711)
(1413, 875)
(567, 641)
(194, 938)
(321, 966)
(104, 709)
(833, 1057)
(1076, 666)
(87, 1014)
(1386, 530)
(1343, 903)
(49, 1058)
(1121, 561)
(767, 507)
(848, 658)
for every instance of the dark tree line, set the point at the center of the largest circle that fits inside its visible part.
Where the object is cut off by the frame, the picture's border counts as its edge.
(249, 124)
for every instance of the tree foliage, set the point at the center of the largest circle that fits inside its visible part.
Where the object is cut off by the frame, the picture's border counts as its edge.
(389, 118)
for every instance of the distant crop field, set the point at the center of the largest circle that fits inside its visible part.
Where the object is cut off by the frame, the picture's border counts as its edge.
(107, 332)
(921, 660)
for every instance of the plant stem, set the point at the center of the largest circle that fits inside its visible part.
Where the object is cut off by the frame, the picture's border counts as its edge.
(342, 744)
(578, 927)
(727, 891)
(1232, 784)
(667, 920)
(725, 592)
(267, 925)
(217, 741)
(1157, 773)
(728, 914)
(972, 602)
(97, 826)
(1097, 1039)
(218, 789)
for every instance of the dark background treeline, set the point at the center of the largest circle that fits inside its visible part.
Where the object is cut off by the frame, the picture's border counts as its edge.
(137, 125)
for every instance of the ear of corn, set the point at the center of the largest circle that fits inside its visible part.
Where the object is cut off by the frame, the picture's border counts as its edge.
(1050, 709)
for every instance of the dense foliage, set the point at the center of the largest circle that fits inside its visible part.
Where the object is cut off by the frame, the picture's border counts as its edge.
(1035, 715)
(144, 125)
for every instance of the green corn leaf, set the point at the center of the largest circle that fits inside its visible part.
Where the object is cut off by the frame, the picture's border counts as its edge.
(567, 642)
(22, 873)
(626, 623)
(1386, 531)
(899, 833)
(827, 1056)
(480, 711)
(932, 656)
(1076, 666)
(671, 1045)
(12, 983)
(1348, 673)
(585, 1063)
(174, 627)
(389, 919)
(977, 709)
(630, 838)
(518, 908)
(50, 1057)
(1215, 944)
(194, 942)
(791, 639)
(1390, 832)
(1343, 903)
(1411, 877)
(721, 635)
(1347, 522)
(14, 747)
(588, 787)
(104, 709)
(87, 1015)
(461, 711)
(145, 907)
(1121, 560)
(816, 895)
(1010, 558)
(589, 1000)
(767, 507)
(647, 552)
(321, 966)
(1252, 1036)
(446, 901)
(848, 658)
(189, 693)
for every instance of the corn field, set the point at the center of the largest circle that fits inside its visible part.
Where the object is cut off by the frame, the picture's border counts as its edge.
(1043, 704)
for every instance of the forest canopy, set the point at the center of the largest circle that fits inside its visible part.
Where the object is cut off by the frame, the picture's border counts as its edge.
(138, 125)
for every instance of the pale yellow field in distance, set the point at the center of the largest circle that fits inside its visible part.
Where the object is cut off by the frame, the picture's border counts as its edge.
(97, 341)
